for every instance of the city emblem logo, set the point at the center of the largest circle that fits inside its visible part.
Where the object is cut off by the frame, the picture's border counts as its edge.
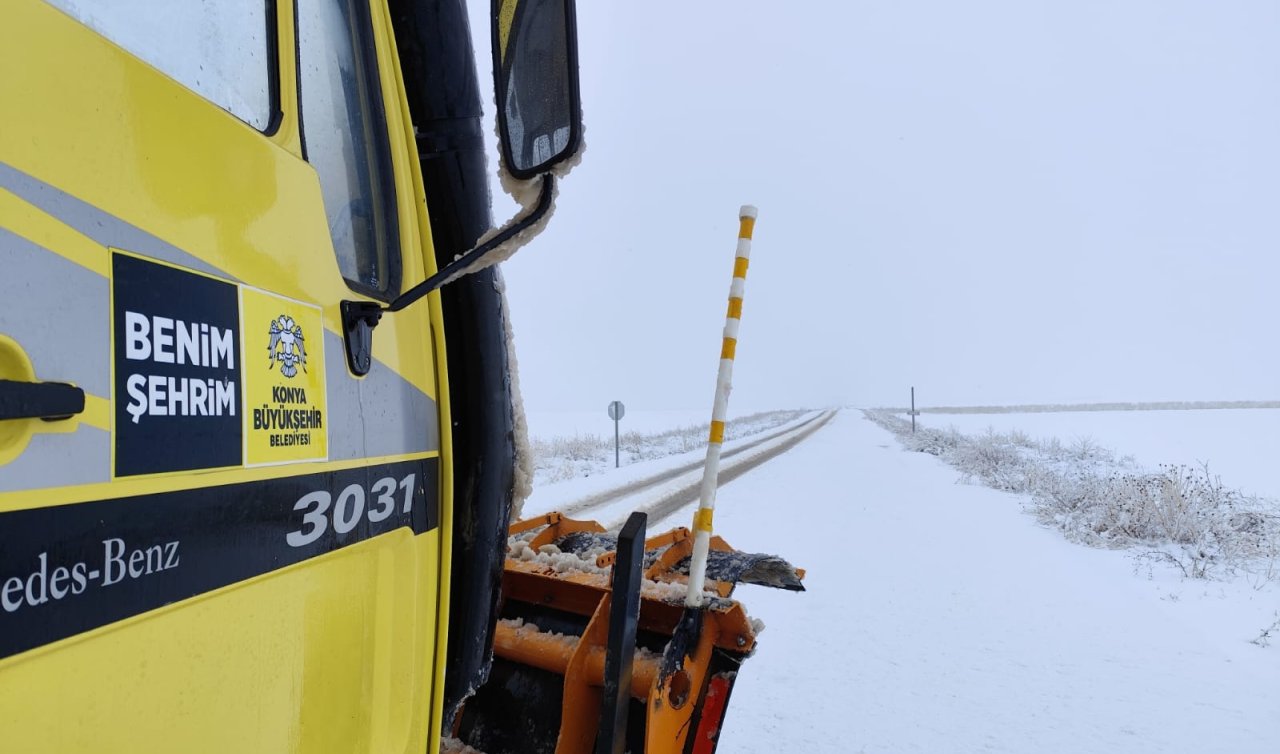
(287, 346)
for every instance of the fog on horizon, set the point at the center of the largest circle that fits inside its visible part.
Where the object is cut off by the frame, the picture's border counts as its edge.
(997, 202)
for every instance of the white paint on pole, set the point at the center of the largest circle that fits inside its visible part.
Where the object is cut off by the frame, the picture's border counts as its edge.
(702, 518)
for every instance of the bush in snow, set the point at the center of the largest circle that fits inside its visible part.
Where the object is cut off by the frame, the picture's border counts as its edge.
(1263, 639)
(1182, 515)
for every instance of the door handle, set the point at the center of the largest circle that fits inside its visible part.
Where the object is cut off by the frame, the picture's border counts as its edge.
(51, 401)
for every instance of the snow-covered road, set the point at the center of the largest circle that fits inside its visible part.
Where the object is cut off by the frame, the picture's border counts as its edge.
(940, 618)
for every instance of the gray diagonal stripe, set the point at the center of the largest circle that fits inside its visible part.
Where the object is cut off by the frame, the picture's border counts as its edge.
(60, 460)
(102, 227)
(56, 310)
(382, 414)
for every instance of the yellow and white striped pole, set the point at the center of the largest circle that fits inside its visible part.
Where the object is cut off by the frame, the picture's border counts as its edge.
(707, 500)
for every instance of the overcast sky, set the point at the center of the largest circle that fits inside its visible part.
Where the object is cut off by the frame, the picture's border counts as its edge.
(998, 202)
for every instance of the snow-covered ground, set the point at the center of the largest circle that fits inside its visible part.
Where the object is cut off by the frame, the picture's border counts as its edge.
(664, 483)
(562, 449)
(636, 418)
(1240, 445)
(548, 424)
(940, 617)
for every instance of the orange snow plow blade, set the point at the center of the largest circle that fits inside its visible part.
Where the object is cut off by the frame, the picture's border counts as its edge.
(575, 673)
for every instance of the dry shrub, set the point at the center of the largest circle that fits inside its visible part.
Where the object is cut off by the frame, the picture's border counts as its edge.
(1182, 515)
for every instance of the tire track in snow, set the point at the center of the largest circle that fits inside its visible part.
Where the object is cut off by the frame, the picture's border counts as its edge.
(599, 499)
(741, 461)
(688, 494)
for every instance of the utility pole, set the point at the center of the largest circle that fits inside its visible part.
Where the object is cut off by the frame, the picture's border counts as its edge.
(913, 412)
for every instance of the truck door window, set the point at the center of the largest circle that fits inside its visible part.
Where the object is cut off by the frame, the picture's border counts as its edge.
(219, 50)
(344, 135)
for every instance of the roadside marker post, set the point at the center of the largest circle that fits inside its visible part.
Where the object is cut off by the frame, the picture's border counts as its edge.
(702, 518)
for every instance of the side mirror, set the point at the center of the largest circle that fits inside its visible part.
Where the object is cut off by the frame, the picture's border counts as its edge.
(535, 77)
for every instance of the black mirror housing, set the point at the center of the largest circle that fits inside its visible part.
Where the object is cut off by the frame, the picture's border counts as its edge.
(535, 77)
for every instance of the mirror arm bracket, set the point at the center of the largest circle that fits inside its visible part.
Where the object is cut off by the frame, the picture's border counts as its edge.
(360, 317)
(358, 320)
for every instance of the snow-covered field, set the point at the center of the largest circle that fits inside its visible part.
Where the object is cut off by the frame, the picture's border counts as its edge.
(940, 617)
(1240, 445)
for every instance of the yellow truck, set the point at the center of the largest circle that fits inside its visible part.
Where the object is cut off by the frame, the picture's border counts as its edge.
(257, 445)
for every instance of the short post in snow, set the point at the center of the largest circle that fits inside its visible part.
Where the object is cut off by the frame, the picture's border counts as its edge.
(616, 410)
(724, 379)
(913, 411)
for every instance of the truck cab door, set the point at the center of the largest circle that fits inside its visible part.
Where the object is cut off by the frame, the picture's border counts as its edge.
(234, 545)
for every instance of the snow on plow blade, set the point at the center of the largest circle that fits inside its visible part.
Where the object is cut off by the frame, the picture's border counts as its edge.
(575, 673)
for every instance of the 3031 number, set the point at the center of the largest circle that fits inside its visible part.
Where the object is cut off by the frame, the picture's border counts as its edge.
(348, 508)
